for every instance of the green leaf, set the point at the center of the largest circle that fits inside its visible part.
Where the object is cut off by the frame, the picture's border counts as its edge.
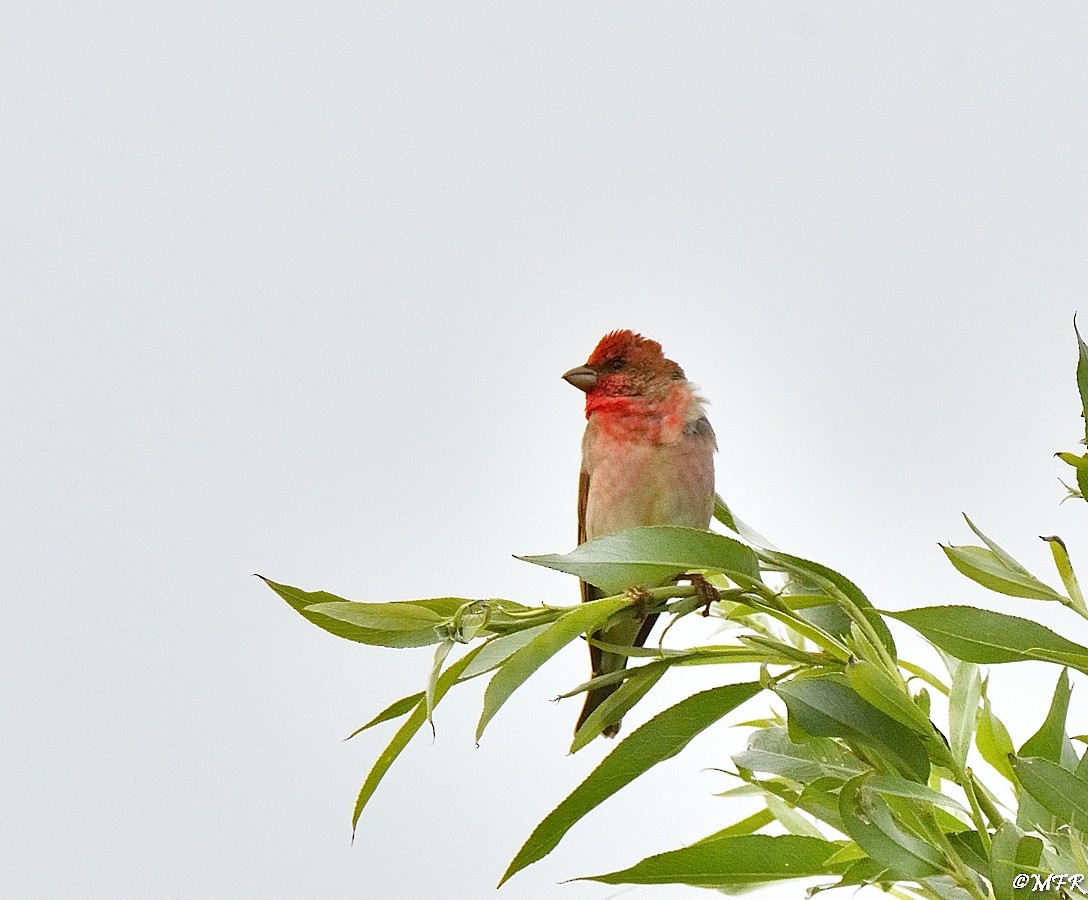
(982, 636)
(662, 737)
(1058, 790)
(1005, 558)
(499, 649)
(489, 655)
(1080, 463)
(1082, 375)
(406, 732)
(298, 598)
(650, 556)
(875, 686)
(403, 623)
(968, 846)
(517, 669)
(1012, 852)
(833, 584)
(992, 738)
(619, 703)
(963, 709)
(400, 624)
(440, 654)
(819, 798)
(860, 872)
(747, 859)
(790, 818)
(1031, 815)
(771, 750)
(1081, 768)
(894, 786)
(394, 710)
(985, 567)
(745, 826)
(1050, 741)
(828, 707)
(1065, 571)
(724, 514)
(869, 822)
(408, 623)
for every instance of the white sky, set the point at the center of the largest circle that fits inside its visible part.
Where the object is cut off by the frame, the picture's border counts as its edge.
(290, 291)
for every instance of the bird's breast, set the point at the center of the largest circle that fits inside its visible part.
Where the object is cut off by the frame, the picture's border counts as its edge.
(635, 482)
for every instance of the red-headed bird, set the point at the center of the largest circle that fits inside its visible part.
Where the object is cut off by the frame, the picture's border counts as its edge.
(647, 459)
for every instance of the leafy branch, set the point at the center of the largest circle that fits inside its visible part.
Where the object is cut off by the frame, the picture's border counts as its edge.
(860, 785)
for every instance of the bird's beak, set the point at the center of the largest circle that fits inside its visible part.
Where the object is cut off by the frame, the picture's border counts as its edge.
(582, 377)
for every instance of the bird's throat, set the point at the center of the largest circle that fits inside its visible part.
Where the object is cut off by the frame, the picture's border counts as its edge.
(640, 419)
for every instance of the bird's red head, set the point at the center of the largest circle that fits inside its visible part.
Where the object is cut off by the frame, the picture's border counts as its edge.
(625, 364)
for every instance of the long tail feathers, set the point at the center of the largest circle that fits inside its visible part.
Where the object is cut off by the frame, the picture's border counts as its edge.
(594, 699)
(601, 664)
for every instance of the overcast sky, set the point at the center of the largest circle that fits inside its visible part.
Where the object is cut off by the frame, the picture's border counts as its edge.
(290, 290)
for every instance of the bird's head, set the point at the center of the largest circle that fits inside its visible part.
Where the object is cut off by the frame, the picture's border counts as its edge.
(625, 364)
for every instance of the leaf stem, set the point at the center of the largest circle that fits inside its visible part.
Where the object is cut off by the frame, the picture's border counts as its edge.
(925, 675)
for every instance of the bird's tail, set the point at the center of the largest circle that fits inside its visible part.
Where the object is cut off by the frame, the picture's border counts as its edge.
(603, 662)
(595, 698)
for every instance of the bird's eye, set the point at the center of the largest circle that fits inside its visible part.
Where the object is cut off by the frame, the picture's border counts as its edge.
(616, 364)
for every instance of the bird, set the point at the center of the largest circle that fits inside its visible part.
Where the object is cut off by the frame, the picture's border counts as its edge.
(647, 459)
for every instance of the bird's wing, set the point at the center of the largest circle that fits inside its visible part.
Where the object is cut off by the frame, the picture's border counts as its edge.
(589, 592)
(583, 499)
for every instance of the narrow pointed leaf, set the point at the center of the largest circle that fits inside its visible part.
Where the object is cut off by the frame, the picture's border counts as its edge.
(963, 709)
(406, 624)
(984, 566)
(382, 624)
(1081, 770)
(724, 514)
(1002, 555)
(1011, 853)
(832, 583)
(748, 859)
(894, 786)
(394, 710)
(1082, 376)
(517, 669)
(992, 738)
(828, 707)
(662, 737)
(298, 598)
(1080, 463)
(498, 650)
(1065, 571)
(747, 825)
(790, 819)
(440, 654)
(1050, 741)
(618, 703)
(1058, 790)
(984, 636)
(650, 556)
(406, 732)
(968, 847)
(860, 872)
(770, 750)
(869, 821)
(875, 686)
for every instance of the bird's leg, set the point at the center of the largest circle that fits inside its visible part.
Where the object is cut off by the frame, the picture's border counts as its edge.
(704, 590)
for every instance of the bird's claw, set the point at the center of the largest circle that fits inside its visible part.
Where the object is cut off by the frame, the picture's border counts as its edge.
(704, 590)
